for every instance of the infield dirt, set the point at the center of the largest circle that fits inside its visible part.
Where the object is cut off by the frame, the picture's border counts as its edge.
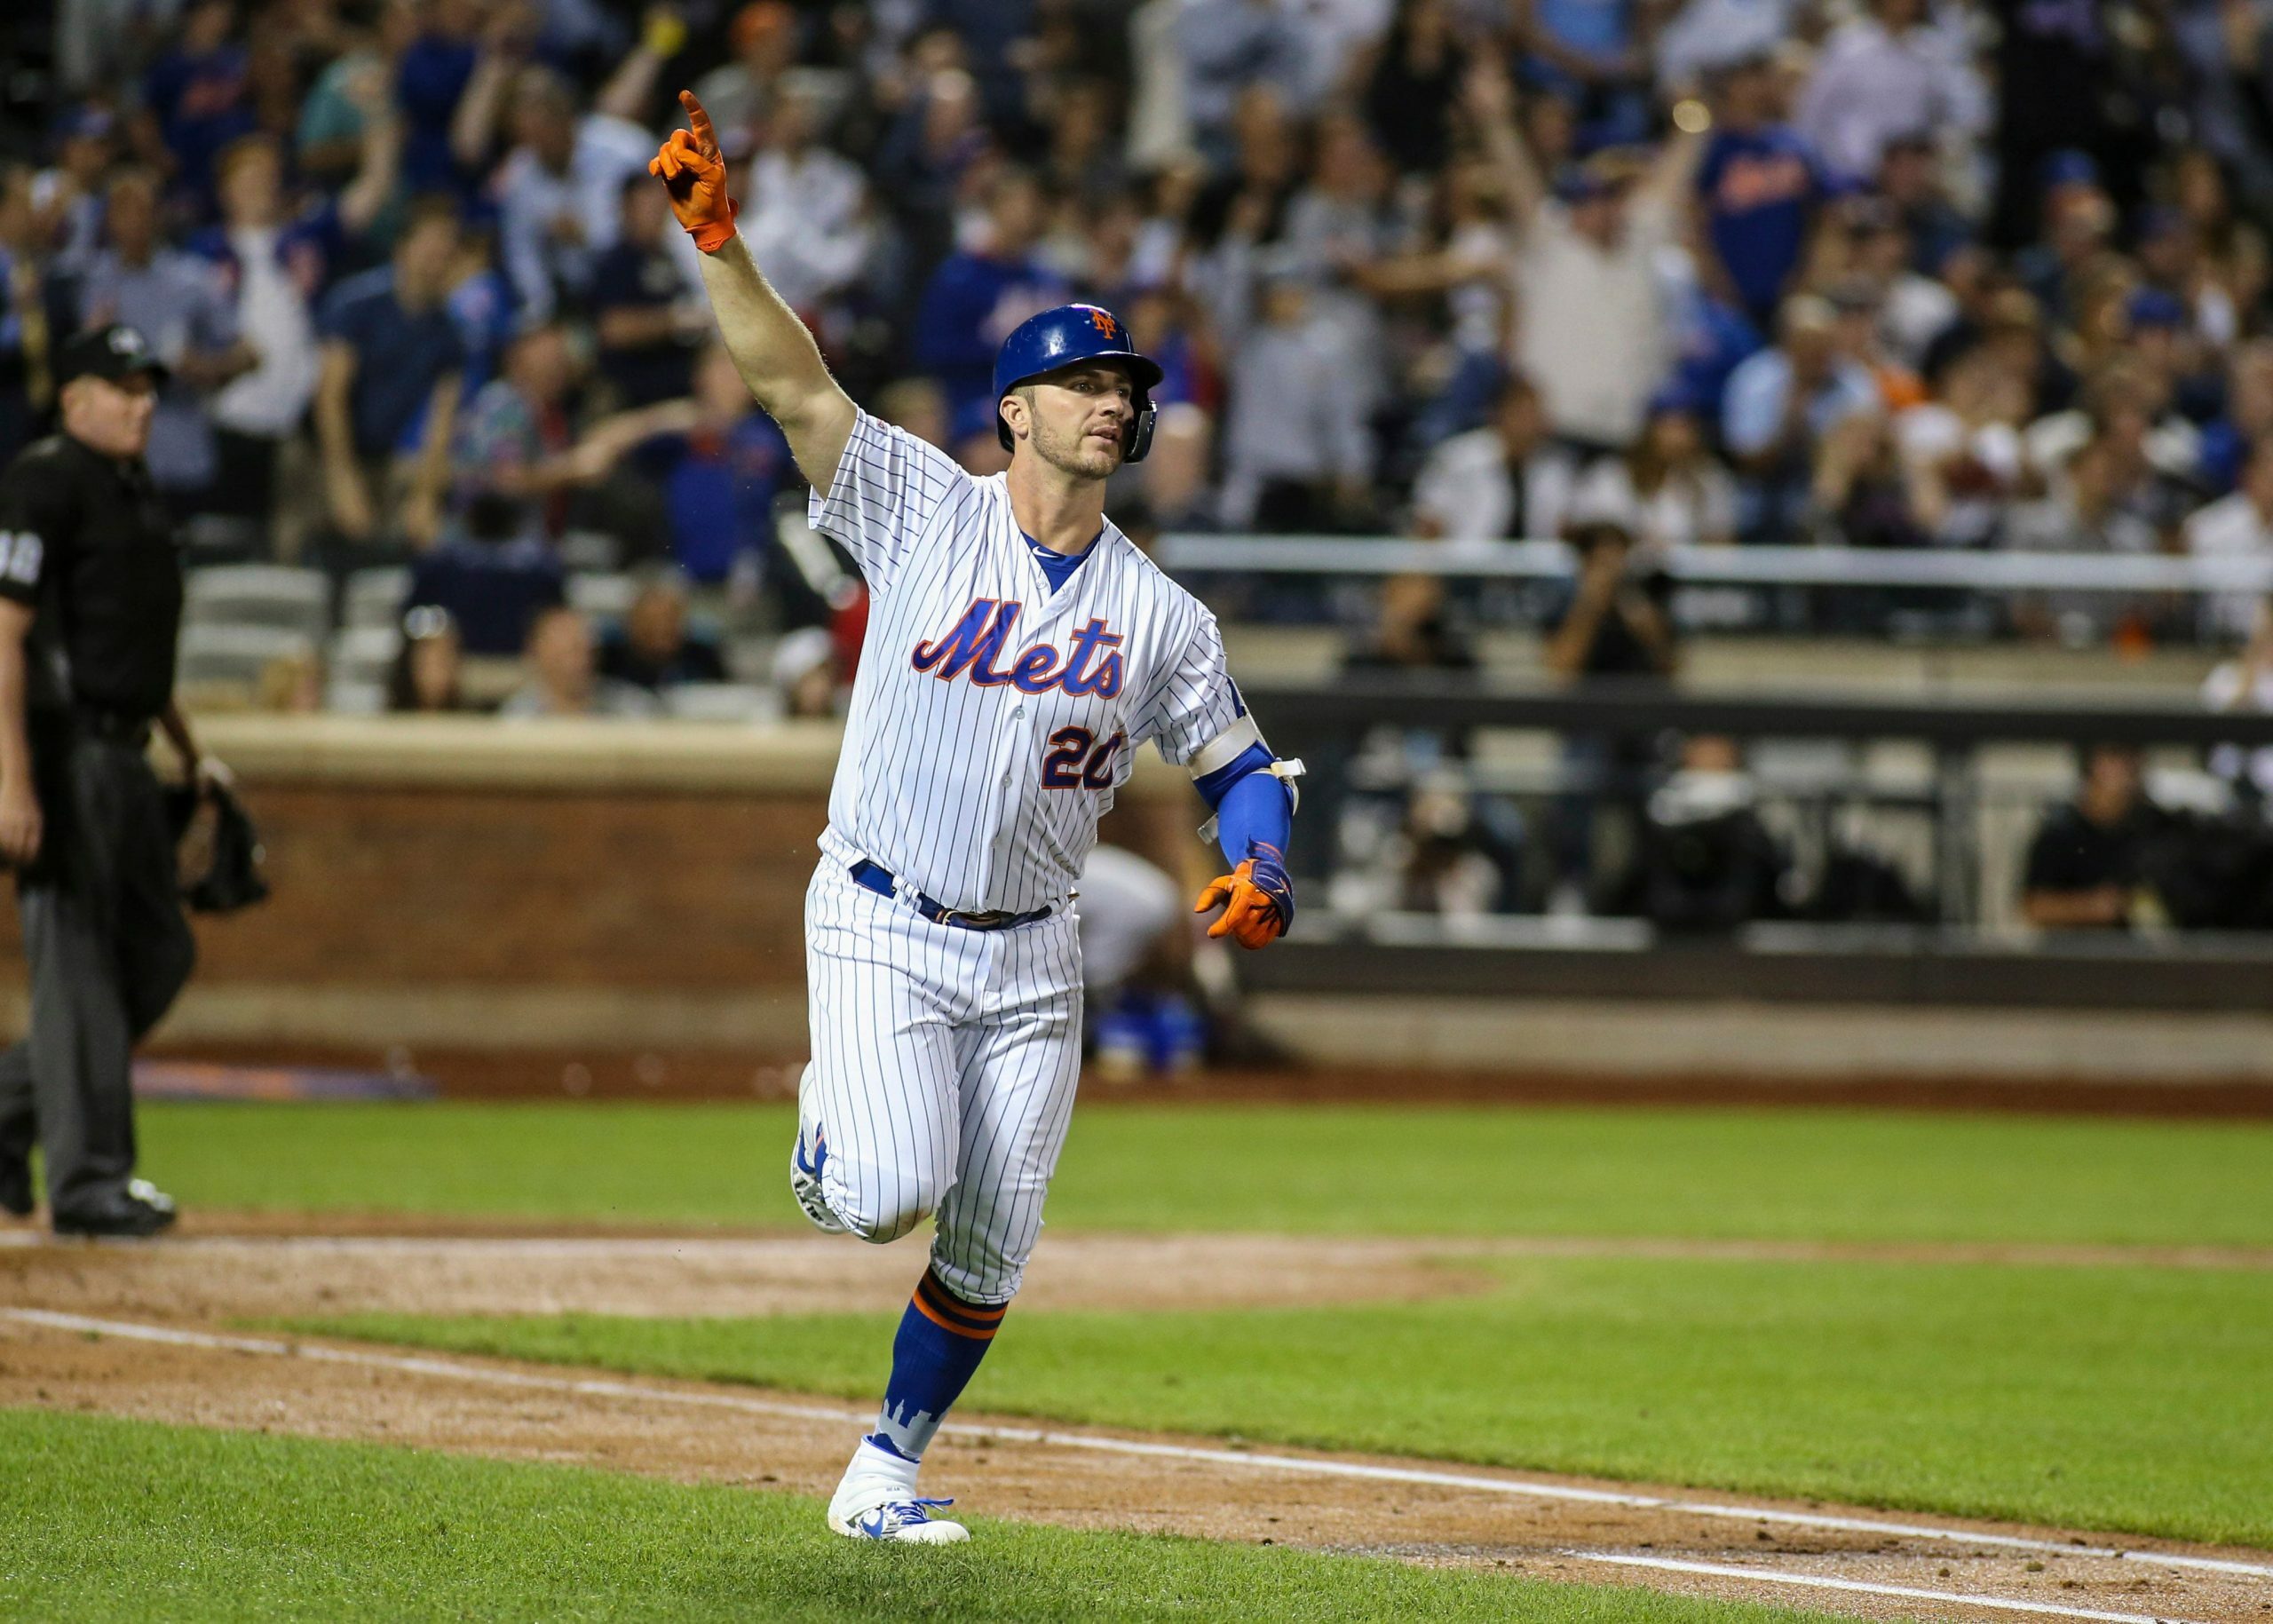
(224, 1272)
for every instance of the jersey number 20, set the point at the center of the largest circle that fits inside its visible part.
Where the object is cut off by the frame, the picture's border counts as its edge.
(1078, 762)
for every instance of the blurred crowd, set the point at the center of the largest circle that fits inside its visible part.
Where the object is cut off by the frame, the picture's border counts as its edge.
(1890, 275)
(1635, 274)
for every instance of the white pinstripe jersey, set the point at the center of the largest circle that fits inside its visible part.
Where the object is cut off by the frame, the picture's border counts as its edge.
(993, 719)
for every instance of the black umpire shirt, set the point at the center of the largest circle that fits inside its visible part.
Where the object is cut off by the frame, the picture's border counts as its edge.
(85, 541)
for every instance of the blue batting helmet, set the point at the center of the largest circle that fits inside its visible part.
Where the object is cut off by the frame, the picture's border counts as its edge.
(1062, 337)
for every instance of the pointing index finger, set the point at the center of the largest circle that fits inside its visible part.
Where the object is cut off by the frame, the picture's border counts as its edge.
(705, 137)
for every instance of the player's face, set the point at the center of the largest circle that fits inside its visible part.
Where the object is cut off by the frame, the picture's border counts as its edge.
(1079, 419)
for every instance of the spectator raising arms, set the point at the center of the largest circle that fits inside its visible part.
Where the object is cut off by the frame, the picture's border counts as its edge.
(274, 257)
(1721, 240)
(1593, 330)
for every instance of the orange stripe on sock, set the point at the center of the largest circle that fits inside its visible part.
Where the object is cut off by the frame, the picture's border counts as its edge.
(947, 1302)
(934, 1316)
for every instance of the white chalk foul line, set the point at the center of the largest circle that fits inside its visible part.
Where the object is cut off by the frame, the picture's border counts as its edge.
(1300, 1465)
(1814, 1581)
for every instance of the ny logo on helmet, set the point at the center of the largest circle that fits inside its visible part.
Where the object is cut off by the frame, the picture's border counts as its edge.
(1102, 320)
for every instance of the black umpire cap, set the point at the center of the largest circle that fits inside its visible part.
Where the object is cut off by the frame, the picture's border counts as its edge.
(115, 352)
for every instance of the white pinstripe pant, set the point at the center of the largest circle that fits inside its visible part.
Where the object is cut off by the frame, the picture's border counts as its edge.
(944, 1061)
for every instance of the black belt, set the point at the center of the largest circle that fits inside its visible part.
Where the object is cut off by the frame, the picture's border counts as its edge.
(871, 878)
(117, 727)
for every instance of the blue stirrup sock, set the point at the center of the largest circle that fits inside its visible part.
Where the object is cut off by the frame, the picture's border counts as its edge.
(941, 1340)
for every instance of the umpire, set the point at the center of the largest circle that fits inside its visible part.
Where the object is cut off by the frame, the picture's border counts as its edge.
(91, 596)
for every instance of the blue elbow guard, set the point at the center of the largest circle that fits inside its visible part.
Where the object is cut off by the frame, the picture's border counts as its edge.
(1213, 787)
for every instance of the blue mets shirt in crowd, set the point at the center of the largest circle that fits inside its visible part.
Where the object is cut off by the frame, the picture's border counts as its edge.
(720, 494)
(1760, 189)
(400, 358)
(970, 305)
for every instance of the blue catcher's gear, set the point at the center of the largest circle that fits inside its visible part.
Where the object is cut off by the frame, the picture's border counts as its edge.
(1067, 335)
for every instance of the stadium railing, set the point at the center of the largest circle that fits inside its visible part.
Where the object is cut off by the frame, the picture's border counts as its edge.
(1972, 952)
(1197, 553)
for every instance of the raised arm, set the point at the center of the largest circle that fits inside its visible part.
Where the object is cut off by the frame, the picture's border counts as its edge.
(626, 92)
(775, 355)
(1490, 100)
(379, 166)
(504, 52)
(1672, 174)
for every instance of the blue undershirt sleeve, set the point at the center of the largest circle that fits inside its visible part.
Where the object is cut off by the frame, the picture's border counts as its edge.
(1255, 808)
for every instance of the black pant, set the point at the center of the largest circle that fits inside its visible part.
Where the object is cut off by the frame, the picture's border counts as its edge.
(109, 949)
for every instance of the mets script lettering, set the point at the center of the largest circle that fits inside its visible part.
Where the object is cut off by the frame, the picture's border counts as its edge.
(1091, 662)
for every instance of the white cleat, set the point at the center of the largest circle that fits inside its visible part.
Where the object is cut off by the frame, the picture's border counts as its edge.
(805, 1163)
(876, 1500)
(907, 1522)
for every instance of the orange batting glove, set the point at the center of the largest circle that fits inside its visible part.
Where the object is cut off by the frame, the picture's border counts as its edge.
(1257, 900)
(693, 173)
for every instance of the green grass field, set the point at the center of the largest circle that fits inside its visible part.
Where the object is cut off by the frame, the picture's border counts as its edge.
(2109, 1398)
(2125, 1397)
(103, 1520)
(1812, 1174)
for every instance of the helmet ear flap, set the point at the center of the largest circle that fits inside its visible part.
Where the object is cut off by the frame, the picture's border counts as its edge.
(1140, 430)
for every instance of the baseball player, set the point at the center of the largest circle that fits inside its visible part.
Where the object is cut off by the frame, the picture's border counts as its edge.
(1018, 650)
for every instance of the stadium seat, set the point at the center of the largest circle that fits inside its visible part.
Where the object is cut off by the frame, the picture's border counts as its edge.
(235, 654)
(219, 539)
(606, 596)
(355, 699)
(373, 598)
(722, 702)
(594, 552)
(263, 596)
(363, 653)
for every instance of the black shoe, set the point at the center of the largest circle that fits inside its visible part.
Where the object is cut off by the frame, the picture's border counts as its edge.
(140, 1211)
(16, 1186)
